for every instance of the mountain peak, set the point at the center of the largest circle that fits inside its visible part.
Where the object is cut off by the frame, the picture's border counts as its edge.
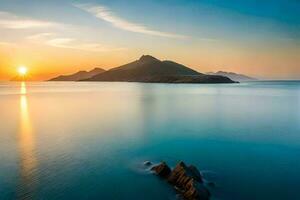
(81, 72)
(96, 69)
(146, 58)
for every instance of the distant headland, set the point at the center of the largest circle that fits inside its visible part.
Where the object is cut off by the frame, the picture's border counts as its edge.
(147, 69)
(233, 76)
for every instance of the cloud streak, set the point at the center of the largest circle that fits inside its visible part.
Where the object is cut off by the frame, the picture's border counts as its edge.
(40, 36)
(107, 15)
(51, 39)
(11, 21)
(71, 43)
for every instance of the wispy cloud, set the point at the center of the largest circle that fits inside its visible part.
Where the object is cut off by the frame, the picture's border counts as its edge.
(107, 15)
(40, 36)
(71, 43)
(51, 39)
(11, 21)
(6, 43)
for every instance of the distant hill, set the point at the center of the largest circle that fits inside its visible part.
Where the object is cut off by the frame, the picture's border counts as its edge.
(78, 75)
(233, 76)
(150, 69)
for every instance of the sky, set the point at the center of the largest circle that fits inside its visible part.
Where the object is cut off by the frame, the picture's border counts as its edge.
(260, 38)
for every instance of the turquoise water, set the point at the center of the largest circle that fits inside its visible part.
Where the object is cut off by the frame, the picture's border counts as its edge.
(89, 140)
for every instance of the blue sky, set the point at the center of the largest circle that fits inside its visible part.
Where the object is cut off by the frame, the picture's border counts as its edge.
(282, 15)
(226, 34)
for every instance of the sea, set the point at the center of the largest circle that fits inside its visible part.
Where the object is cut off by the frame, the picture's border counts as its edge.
(89, 140)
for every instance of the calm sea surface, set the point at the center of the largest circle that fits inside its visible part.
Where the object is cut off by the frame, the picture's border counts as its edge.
(63, 140)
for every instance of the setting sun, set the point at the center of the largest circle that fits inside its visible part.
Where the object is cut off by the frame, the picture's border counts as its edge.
(22, 70)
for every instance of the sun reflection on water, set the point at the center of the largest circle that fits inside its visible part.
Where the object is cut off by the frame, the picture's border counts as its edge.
(26, 140)
(23, 89)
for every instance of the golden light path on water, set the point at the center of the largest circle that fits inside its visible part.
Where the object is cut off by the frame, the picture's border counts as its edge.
(27, 149)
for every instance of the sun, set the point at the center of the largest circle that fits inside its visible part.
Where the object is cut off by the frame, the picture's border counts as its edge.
(22, 70)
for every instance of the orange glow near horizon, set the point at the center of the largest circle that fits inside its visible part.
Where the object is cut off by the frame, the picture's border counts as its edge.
(46, 63)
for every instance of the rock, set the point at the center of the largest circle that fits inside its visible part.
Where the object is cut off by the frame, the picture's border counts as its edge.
(195, 173)
(182, 171)
(147, 163)
(187, 180)
(162, 170)
(195, 191)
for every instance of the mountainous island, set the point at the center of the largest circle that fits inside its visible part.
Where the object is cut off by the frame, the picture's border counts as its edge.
(152, 70)
(233, 76)
(79, 75)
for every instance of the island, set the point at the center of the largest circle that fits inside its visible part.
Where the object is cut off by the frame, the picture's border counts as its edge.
(147, 69)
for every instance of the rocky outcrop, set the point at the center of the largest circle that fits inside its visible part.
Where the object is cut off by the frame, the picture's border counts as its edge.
(162, 170)
(187, 180)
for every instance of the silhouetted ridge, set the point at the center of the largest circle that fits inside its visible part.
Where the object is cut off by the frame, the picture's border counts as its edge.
(152, 70)
(79, 75)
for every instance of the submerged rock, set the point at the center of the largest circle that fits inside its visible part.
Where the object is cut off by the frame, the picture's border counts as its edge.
(147, 163)
(187, 180)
